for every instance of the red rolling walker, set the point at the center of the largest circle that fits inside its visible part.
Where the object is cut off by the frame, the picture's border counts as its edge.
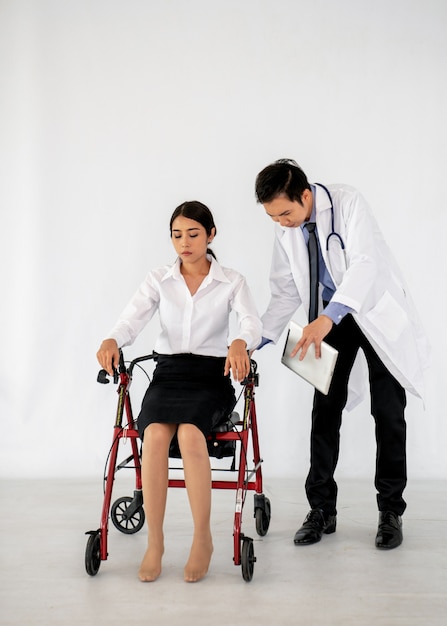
(235, 433)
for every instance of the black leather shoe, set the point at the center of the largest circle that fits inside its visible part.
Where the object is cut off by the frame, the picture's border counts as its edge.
(315, 524)
(389, 532)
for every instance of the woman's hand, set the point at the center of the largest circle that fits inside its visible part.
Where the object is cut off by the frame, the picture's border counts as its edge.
(108, 355)
(237, 360)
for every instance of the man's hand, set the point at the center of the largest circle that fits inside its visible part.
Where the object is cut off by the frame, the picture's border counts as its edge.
(237, 360)
(108, 355)
(314, 332)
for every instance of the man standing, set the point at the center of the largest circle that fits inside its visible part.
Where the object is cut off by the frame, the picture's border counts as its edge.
(359, 300)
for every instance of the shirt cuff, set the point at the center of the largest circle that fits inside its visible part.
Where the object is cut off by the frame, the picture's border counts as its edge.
(336, 311)
(264, 342)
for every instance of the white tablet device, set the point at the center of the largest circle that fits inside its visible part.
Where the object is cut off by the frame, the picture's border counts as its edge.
(318, 372)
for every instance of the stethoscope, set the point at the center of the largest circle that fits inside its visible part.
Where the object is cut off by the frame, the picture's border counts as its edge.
(333, 233)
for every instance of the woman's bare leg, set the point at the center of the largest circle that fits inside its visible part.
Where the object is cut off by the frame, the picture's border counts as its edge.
(157, 438)
(196, 465)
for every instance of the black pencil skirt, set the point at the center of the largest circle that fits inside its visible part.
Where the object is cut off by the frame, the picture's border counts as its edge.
(187, 389)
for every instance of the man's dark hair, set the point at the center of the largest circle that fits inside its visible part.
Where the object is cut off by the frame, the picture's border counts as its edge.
(281, 177)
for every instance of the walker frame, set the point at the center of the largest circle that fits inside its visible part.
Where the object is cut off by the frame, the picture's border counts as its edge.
(127, 513)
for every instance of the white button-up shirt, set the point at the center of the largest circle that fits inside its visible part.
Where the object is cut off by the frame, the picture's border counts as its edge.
(195, 324)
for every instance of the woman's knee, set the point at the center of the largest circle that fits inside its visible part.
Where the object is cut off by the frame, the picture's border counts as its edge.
(158, 435)
(191, 440)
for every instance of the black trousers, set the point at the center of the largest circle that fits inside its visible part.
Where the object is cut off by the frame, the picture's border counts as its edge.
(388, 402)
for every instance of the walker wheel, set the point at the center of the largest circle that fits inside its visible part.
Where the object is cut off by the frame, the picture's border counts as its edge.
(263, 515)
(248, 559)
(125, 522)
(93, 552)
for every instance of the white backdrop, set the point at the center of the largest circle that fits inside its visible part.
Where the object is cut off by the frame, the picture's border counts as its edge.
(112, 113)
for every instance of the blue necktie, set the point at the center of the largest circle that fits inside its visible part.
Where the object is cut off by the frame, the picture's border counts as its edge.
(312, 248)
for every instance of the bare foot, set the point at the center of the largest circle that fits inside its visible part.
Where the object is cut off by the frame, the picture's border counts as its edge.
(199, 559)
(150, 568)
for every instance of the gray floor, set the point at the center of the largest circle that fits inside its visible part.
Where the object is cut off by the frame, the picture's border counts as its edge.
(341, 580)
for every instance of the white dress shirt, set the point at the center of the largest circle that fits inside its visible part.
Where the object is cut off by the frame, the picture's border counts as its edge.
(198, 324)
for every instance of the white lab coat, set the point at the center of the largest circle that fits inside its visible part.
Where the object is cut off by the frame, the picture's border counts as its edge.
(367, 279)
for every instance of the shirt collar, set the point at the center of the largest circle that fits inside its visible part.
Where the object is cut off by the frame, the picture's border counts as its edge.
(216, 272)
(313, 215)
(173, 271)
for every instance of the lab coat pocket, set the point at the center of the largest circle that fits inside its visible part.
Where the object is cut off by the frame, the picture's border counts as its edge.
(388, 317)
